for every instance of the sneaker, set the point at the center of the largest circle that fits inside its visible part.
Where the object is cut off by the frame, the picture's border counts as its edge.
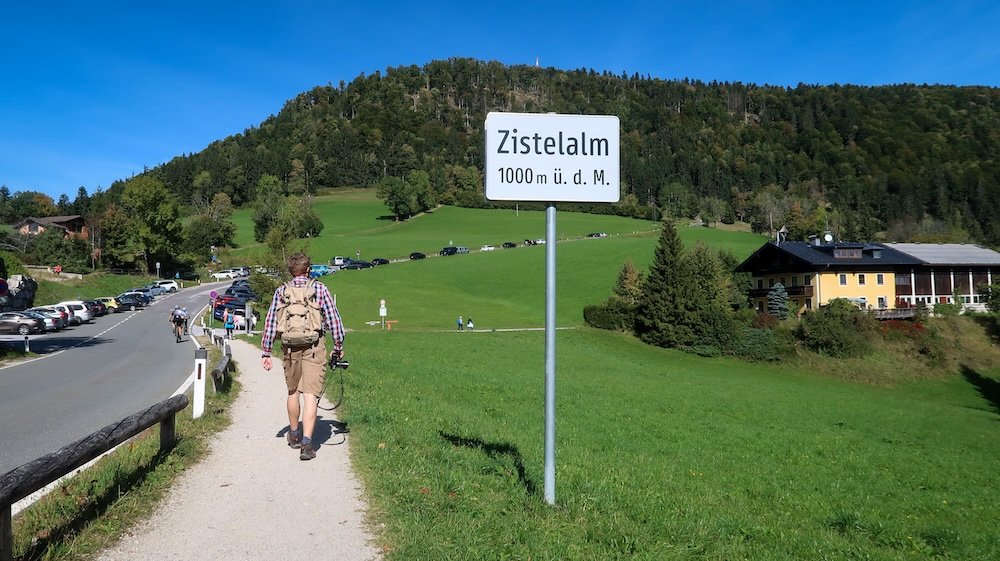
(294, 440)
(307, 452)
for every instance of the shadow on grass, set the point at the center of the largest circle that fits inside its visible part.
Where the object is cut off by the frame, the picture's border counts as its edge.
(988, 388)
(93, 507)
(497, 451)
(991, 324)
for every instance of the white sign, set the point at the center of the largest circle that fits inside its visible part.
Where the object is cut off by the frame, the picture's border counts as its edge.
(552, 158)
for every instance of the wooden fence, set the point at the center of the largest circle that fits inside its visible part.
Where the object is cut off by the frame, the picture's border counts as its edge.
(32, 476)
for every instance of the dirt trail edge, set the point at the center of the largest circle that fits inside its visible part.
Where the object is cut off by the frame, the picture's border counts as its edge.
(251, 497)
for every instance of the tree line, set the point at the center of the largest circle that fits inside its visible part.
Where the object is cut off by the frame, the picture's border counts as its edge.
(904, 162)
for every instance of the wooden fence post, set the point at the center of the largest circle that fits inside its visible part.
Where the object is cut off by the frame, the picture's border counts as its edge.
(168, 432)
(6, 534)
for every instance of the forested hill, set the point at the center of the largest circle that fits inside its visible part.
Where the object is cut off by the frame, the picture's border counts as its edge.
(903, 162)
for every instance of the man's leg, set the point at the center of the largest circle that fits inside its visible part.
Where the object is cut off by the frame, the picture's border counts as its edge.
(309, 414)
(293, 410)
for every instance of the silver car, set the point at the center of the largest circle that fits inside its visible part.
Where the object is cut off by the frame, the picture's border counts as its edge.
(59, 320)
(80, 310)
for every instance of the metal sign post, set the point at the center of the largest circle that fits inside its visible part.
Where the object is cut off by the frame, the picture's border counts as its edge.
(382, 312)
(550, 158)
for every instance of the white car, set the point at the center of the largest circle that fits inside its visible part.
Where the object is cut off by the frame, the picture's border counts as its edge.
(225, 274)
(487, 248)
(168, 285)
(80, 310)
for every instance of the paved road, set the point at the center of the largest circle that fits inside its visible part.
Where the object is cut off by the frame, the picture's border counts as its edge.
(92, 375)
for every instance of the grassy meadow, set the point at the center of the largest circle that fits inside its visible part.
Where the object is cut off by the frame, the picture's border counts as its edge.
(660, 454)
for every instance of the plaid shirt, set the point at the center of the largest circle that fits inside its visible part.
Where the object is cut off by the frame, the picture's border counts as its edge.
(331, 317)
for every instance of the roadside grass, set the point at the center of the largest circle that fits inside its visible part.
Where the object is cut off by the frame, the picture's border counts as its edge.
(90, 286)
(94, 509)
(661, 454)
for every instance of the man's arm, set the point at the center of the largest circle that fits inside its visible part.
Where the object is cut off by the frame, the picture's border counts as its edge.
(331, 317)
(270, 322)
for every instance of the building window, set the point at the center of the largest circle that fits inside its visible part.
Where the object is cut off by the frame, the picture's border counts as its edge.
(809, 303)
(770, 283)
(795, 281)
(760, 283)
(881, 302)
(847, 254)
(843, 279)
(807, 279)
(880, 279)
(861, 279)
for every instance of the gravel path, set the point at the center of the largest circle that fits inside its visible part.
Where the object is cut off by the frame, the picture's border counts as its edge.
(251, 497)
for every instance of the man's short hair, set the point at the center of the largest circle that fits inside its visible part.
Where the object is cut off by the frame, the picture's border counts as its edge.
(298, 264)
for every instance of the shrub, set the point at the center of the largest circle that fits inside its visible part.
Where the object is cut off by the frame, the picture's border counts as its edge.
(764, 321)
(613, 315)
(838, 329)
(762, 345)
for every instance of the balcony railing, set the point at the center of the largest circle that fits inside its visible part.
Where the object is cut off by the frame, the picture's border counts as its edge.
(806, 291)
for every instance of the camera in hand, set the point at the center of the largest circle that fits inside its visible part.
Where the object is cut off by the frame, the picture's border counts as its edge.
(337, 362)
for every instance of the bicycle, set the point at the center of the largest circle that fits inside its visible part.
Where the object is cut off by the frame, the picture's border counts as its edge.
(178, 328)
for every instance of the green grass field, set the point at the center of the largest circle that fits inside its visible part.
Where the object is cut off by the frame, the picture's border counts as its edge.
(660, 454)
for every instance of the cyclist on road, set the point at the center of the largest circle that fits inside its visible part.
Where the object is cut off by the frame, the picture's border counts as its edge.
(178, 318)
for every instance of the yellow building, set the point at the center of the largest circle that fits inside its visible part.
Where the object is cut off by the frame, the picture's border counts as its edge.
(872, 275)
(815, 273)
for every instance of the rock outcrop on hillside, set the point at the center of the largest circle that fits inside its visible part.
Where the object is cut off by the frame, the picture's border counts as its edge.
(20, 295)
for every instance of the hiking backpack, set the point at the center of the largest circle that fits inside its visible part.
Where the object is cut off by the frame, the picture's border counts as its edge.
(299, 319)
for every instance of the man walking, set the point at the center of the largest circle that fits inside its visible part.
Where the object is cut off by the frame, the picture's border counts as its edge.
(301, 313)
(461, 325)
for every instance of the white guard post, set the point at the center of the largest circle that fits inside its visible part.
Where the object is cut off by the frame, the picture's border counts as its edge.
(200, 373)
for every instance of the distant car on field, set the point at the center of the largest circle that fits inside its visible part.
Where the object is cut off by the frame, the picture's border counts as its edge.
(462, 249)
(354, 264)
(337, 261)
(487, 248)
(508, 245)
(319, 270)
(450, 250)
(417, 255)
(379, 261)
(597, 235)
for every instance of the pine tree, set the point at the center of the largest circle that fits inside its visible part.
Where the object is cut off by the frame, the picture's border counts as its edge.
(661, 317)
(708, 311)
(777, 301)
(629, 286)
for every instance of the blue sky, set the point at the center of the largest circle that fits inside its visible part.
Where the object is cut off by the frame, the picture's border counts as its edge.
(93, 92)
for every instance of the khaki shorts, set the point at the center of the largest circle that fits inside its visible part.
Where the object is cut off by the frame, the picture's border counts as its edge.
(305, 369)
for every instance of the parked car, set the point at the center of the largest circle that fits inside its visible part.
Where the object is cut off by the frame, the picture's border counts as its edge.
(417, 255)
(597, 235)
(337, 261)
(540, 241)
(144, 297)
(60, 319)
(155, 289)
(530, 242)
(185, 275)
(462, 249)
(96, 308)
(145, 292)
(48, 322)
(224, 274)
(241, 293)
(357, 265)
(111, 303)
(130, 301)
(379, 261)
(22, 324)
(168, 285)
(70, 315)
(318, 270)
(508, 245)
(80, 309)
(450, 250)
(487, 248)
